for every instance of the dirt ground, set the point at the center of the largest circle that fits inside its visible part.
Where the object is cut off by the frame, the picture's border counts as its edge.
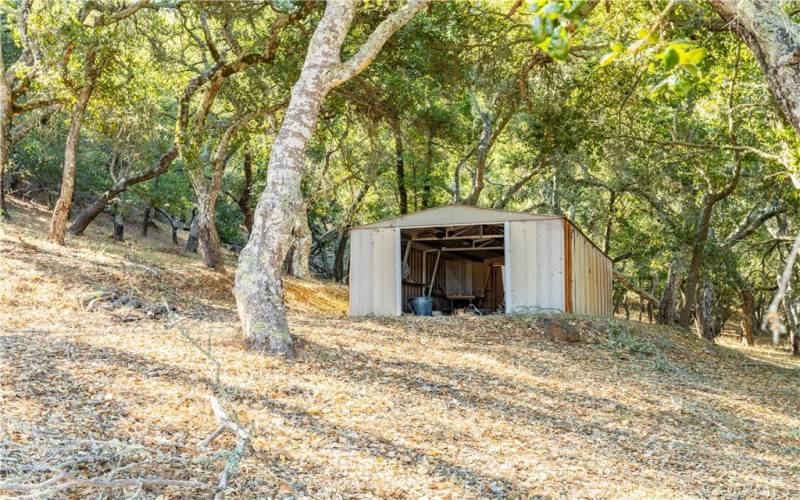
(401, 407)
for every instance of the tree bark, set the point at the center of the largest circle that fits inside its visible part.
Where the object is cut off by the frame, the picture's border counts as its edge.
(119, 226)
(247, 191)
(194, 234)
(400, 170)
(774, 39)
(488, 138)
(299, 266)
(146, 221)
(693, 276)
(706, 320)
(259, 280)
(668, 305)
(58, 224)
(749, 320)
(207, 236)
(338, 262)
(790, 309)
(426, 176)
(86, 217)
(612, 200)
(174, 224)
(6, 104)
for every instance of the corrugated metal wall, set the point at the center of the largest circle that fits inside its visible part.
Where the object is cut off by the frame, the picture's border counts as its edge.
(374, 272)
(535, 260)
(591, 277)
(540, 273)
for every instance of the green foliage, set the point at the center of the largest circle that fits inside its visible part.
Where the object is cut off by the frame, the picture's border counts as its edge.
(552, 24)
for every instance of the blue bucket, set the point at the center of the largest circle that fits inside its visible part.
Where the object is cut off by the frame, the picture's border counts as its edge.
(422, 306)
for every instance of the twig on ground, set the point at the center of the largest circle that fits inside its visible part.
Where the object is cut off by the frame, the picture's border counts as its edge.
(226, 423)
(66, 480)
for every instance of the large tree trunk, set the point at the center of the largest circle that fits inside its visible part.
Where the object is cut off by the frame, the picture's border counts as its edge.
(774, 39)
(58, 224)
(259, 284)
(259, 280)
(86, 217)
(88, 214)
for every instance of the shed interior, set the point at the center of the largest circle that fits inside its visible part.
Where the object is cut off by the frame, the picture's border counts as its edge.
(459, 267)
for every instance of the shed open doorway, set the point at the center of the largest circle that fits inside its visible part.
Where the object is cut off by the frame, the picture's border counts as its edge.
(461, 267)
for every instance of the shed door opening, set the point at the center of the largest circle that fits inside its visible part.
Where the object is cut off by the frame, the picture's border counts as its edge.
(459, 267)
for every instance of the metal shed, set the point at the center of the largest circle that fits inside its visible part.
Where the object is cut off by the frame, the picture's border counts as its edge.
(486, 259)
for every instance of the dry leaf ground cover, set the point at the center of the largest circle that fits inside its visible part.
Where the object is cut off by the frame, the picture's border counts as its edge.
(402, 407)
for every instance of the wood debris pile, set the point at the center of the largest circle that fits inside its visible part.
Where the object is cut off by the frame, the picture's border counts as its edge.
(122, 306)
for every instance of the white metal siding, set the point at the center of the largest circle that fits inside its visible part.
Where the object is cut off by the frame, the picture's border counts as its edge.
(361, 282)
(374, 271)
(591, 278)
(535, 265)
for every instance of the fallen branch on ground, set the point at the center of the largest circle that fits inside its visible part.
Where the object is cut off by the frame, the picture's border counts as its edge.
(226, 423)
(66, 480)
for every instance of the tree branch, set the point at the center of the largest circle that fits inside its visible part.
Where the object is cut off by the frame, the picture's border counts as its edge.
(367, 53)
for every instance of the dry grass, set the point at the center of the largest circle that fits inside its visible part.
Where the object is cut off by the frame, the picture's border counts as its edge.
(404, 407)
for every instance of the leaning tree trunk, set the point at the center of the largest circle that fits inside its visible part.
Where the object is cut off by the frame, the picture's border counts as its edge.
(58, 225)
(259, 280)
(86, 217)
(259, 284)
(774, 39)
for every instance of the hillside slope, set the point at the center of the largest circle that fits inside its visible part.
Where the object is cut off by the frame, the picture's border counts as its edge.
(463, 406)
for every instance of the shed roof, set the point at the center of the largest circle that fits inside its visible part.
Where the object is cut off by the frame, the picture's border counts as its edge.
(453, 215)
